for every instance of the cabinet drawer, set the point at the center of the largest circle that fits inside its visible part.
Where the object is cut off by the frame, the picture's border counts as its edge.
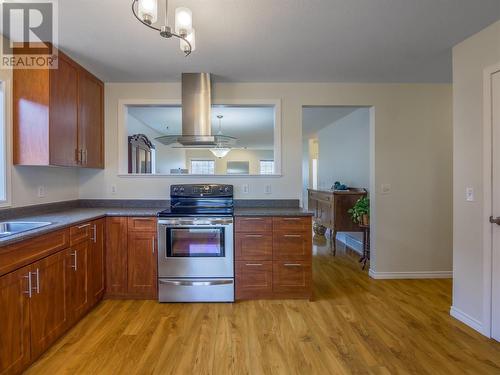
(292, 245)
(292, 224)
(253, 224)
(79, 233)
(254, 279)
(142, 224)
(292, 279)
(254, 246)
(320, 196)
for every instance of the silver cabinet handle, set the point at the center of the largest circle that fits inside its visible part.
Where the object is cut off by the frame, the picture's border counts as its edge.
(75, 265)
(254, 235)
(252, 218)
(94, 235)
(292, 265)
(196, 283)
(28, 292)
(153, 244)
(37, 287)
(86, 155)
(253, 264)
(291, 218)
(292, 235)
(83, 226)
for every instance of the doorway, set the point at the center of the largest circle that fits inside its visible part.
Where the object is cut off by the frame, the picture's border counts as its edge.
(338, 162)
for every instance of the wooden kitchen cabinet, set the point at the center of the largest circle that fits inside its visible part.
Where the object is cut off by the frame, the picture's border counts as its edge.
(77, 273)
(97, 261)
(116, 256)
(48, 312)
(142, 260)
(14, 322)
(58, 116)
(131, 257)
(273, 257)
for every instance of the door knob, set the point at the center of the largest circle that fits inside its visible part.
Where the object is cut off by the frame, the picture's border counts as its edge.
(495, 220)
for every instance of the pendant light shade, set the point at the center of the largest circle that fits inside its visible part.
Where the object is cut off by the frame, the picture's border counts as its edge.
(183, 21)
(148, 11)
(220, 152)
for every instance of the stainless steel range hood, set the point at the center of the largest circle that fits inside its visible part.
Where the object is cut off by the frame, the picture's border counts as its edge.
(197, 115)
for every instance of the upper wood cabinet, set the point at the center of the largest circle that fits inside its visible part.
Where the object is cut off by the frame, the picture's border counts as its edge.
(58, 116)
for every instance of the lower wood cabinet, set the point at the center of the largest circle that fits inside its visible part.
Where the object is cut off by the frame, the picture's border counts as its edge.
(14, 321)
(131, 257)
(273, 260)
(97, 261)
(77, 279)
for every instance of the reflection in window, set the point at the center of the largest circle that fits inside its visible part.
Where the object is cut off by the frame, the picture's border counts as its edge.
(266, 167)
(202, 166)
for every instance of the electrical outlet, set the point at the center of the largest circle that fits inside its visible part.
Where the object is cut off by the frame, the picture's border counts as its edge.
(41, 191)
(469, 194)
(268, 189)
(113, 189)
(385, 188)
(245, 189)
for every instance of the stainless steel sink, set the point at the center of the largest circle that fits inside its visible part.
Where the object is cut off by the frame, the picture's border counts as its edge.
(8, 228)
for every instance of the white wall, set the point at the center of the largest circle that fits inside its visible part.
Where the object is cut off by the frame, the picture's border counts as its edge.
(413, 153)
(344, 151)
(60, 183)
(470, 58)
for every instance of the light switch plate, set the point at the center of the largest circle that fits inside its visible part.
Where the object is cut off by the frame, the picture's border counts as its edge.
(469, 194)
(385, 188)
(113, 189)
(41, 191)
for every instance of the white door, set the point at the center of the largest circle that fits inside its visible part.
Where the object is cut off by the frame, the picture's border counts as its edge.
(495, 296)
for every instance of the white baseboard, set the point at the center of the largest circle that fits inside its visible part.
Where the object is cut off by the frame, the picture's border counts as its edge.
(467, 319)
(411, 275)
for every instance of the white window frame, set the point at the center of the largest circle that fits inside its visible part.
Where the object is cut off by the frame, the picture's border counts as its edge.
(5, 139)
(266, 161)
(203, 160)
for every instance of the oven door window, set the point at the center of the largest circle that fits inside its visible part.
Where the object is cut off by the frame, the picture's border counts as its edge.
(195, 242)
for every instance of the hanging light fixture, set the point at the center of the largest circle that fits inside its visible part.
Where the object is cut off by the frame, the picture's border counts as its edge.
(146, 12)
(220, 150)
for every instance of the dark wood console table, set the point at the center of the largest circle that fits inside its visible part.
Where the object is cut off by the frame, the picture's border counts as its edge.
(330, 210)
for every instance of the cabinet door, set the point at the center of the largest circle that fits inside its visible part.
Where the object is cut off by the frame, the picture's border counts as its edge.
(48, 314)
(292, 279)
(116, 256)
(96, 262)
(77, 293)
(63, 113)
(90, 120)
(142, 264)
(14, 321)
(254, 279)
(292, 245)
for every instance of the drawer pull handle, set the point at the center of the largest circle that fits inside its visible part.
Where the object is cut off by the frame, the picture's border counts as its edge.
(291, 218)
(254, 235)
(292, 265)
(253, 264)
(292, 235)
(252, 218)
(83, 226)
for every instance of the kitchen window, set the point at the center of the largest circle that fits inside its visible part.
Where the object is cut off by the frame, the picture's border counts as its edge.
(266, 167)
(202, 167)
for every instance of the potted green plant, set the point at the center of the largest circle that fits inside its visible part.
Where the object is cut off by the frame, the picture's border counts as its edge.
(360, 212)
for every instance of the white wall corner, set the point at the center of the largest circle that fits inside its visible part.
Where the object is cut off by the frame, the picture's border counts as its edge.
(468, 320)
(411, 275)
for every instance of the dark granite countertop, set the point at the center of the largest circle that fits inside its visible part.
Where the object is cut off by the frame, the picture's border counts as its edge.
(66, 217)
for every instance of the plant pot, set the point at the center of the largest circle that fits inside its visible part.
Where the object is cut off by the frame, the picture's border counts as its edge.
(319, 229)
(365, 220)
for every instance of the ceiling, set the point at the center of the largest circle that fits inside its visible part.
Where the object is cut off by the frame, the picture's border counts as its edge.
(278, 40)
(316, 118)
(252, 126)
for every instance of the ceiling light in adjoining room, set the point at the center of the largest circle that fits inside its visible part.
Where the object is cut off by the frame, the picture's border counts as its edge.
(220, 150)
(146, 12)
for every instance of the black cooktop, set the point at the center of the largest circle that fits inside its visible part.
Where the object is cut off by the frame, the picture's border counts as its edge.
(200, 200)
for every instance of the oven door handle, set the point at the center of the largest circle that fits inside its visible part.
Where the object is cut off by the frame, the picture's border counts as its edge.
(195, 283)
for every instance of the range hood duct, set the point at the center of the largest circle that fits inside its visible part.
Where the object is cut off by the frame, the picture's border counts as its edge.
(197, 115)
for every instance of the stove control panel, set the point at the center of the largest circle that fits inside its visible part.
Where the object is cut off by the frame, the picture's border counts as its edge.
(201, 190)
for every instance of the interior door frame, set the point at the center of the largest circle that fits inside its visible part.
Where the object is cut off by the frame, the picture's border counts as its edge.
(487, 198)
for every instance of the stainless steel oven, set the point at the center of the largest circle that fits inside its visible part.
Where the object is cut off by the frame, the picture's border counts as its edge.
(195, 259)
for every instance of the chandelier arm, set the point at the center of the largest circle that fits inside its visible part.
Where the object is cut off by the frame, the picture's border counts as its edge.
(141, 21)
(189, 50)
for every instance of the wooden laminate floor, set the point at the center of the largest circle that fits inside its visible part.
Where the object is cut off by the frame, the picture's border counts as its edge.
(354, 325)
